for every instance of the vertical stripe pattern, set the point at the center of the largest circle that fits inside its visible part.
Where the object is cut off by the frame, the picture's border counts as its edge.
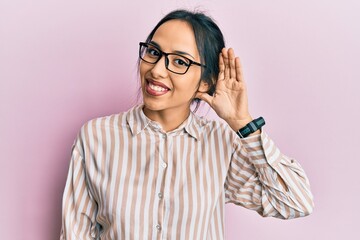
(128, 179)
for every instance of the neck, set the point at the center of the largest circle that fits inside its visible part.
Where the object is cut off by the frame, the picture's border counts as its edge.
(170, 118)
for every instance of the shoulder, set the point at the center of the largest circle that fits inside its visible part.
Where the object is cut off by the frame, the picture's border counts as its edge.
(103, 122)
(98, 127)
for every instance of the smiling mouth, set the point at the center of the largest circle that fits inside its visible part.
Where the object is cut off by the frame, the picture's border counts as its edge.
(155, 90)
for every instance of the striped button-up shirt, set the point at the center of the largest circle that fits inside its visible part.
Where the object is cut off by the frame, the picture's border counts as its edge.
(129, 179)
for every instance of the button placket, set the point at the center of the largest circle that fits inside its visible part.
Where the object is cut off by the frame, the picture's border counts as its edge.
(163, 163)
(162, 172)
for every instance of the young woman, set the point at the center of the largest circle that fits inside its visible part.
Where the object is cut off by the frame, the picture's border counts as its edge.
(158, 171)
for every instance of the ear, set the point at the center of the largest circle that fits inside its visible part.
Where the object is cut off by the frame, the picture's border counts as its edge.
(204, 87)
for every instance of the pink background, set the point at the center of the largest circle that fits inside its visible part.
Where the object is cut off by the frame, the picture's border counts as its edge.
(65, 62)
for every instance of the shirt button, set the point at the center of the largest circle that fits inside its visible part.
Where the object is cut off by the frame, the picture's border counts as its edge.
(164, 165)
(160, 195)
(158, 227)
(164, 136)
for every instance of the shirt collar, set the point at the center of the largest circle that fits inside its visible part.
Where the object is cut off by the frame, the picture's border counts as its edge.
(138, 121)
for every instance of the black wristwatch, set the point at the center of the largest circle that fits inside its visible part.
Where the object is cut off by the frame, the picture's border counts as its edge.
(251, 127)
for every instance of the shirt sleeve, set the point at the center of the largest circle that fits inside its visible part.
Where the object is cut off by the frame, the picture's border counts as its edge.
(253, 180)
(79, 208)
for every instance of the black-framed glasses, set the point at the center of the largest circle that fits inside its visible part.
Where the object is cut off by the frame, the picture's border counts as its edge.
(174, 62)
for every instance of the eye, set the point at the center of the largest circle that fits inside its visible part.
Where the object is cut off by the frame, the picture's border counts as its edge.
(181, 62)
(153, 52)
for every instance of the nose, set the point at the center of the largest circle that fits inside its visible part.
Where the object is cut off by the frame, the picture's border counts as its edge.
(159, 69)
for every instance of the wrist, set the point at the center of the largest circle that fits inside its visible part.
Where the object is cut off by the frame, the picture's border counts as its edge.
(237, 124)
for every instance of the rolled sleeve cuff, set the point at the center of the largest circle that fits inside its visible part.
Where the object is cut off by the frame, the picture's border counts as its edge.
(261, 150)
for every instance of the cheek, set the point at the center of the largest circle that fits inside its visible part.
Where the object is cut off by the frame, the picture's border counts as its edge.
(142, 70)
(195, 80)
(187, 86)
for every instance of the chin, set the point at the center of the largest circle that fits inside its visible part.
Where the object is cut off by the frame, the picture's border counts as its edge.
(153, 105)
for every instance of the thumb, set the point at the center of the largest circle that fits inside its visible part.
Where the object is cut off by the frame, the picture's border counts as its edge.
(204, 96)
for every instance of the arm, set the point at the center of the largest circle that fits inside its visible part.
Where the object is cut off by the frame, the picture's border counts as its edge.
(263, 179)
(260, 177)
(78, 207)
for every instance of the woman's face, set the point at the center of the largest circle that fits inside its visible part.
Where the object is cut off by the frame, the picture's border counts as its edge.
(173, 36)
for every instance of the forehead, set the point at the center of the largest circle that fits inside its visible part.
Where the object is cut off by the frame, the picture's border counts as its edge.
(176, 35)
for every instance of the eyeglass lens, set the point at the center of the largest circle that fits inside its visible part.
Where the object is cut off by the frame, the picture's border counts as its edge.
(175, 62)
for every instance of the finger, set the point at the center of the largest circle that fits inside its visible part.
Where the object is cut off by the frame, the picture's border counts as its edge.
(239, 71)
(204, 96)
(226, 63)
(231, 55)
(221, 67)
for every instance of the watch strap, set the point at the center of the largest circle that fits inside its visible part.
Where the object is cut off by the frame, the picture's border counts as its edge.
(251, 127)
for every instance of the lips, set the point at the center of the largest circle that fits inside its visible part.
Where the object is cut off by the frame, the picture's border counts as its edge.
(156, 88)
(158, 84)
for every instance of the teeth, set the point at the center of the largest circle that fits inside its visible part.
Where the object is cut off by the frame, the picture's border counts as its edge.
(157, 88)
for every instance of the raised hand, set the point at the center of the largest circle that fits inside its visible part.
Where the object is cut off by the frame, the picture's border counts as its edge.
(230, 100)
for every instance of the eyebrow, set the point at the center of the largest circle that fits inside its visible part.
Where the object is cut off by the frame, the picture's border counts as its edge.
(176, 51)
